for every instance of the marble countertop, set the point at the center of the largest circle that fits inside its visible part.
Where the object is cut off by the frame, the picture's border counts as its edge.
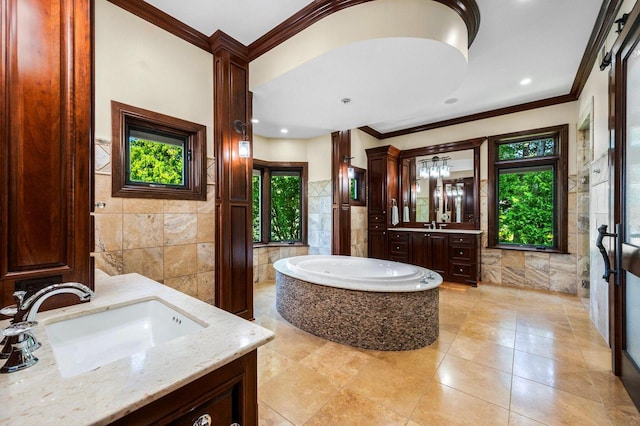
(443, 231)
(40, 394)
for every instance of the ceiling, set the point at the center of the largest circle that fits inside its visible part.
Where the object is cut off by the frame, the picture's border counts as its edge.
(541, 41)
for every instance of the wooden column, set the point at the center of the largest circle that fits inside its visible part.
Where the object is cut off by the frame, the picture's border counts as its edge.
(234, 247)
(341, 209)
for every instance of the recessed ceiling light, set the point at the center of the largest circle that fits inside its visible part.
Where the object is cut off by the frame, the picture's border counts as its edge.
(284, 131)
(255, 120)
(451, 101)
(525, 81)
(345, 100)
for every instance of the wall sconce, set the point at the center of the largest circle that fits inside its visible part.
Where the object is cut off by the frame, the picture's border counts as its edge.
(244, 146)
(436, 170)
(351, 173)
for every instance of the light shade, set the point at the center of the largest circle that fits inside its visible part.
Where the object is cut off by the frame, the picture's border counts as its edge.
(351, 173)
(244, 149)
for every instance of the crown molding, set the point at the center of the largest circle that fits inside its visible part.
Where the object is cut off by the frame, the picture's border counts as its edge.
(167, 22)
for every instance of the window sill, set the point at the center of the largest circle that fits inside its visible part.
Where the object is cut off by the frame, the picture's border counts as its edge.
(526, 248)
(263, 245)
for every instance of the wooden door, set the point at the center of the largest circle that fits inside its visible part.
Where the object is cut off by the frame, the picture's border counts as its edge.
(626, 300)
(439, 254)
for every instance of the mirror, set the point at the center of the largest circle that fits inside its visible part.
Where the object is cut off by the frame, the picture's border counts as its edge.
(440, 184)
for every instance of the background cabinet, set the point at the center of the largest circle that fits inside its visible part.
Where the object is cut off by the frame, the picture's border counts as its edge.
(45, 145)
(382, 188)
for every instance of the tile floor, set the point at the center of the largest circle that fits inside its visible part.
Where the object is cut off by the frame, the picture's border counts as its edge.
(504, 356)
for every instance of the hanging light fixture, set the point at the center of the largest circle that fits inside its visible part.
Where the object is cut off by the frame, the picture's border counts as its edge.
(244, 146)
(445, 171)
(423, 172)
(434, 171)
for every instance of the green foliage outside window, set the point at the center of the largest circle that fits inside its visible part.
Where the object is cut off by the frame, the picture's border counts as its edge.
(285, 207)
(155, 162)
(526, 149)
(525, 207)
(257, 195)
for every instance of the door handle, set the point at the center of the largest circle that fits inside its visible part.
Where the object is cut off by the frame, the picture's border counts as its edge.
(602, 232)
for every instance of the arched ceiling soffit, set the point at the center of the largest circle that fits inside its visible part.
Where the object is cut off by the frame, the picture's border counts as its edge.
(405, 54)
(467, 9)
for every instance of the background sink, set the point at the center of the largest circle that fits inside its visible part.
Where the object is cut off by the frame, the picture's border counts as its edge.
(87, 342)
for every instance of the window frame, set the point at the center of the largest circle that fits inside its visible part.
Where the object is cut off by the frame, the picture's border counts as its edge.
(125, 117)
(559, 162)
(266, 168)
(360, 176)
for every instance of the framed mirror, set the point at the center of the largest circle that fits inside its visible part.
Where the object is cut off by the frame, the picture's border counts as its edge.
(441, 184)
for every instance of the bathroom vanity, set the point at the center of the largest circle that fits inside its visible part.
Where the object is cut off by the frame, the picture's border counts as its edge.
(208, 374)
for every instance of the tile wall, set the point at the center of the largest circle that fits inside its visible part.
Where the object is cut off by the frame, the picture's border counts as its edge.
(359, 229)
(264, 258)
(170, 241)
(319, 224)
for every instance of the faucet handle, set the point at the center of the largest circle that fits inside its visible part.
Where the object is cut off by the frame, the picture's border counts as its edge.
(20, 356)
(18, 296)
(9, 311)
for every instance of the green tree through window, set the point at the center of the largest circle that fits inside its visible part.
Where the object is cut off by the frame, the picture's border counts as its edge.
(285, 206)
(156, 162)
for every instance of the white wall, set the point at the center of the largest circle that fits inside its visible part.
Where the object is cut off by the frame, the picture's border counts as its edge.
(142, 65)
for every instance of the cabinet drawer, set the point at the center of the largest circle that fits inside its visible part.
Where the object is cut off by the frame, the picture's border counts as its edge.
(399, 248)
(399, 237)
(377, 227)
(462, 253)
(403, 258)
(377, 218)
(462, 270)
(461, 240)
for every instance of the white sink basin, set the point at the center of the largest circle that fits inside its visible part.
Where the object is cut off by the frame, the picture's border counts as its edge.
(90, 341)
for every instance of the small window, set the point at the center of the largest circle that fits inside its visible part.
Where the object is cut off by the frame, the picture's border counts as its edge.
(528, 196)
(279, 202)
(357, 187)
(157, 156)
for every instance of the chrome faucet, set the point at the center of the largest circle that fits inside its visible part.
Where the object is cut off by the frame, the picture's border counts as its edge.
(19, 342)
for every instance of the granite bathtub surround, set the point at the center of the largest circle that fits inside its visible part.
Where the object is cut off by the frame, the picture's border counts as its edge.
(359, 231)
(169, 241)
(265, 257)
(545, 271)
(362, 319)
(108, 393)
(319, 223)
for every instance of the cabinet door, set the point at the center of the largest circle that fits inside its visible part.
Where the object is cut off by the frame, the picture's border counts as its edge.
(45, 142)
(419, 249)
(438, 253)
(378, 245)
(377, 187)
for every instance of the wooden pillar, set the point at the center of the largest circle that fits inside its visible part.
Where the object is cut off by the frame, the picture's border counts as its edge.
(341, 209)
(234, 247)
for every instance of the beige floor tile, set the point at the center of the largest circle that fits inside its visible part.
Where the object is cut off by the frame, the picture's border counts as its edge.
(624, 415)
(294, 343)
(350, 408)
(474, 379)
(495, 316)
(339, 363)
(268, 417)
(479, 331)
(597, 359)
(483, 352)
(565, 376)
(271, 363)
(389, 386)
(612, 391)
(550, 348)
(420, 362)
(553, 406)
(516, 419)
(550, 329)
(442, 405)
(297, 393)
(443, 342)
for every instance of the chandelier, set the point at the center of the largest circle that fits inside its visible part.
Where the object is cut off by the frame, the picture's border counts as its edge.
(438, 168)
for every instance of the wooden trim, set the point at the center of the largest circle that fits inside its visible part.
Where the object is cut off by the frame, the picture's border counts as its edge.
(604, 22)
(562, 176)
(221, 40)
(195, 140)
(443, 147)
(361, 178)
(165, 21)
(340, 208)
(314, 12)
(372, 132)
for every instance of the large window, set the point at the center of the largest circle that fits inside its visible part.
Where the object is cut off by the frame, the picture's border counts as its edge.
(527, 197)
(157, 156)
(279, 202)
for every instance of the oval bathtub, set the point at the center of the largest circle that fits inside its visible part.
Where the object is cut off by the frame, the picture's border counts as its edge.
(366, 303)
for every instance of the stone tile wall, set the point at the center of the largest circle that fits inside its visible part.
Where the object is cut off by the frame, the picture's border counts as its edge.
(548, 271)
(319, 223)
(170, 241)
(359, 231)
(264, 258)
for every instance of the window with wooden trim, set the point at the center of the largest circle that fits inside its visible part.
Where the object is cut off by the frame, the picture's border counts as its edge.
(279, 202)
(157, 156)
(527, 190)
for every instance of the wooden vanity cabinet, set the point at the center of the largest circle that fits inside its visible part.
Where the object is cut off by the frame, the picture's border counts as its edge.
(429, 250)
(227, 395)
(382, 189)
(399, 246)
(45, 146)
(464, 258)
